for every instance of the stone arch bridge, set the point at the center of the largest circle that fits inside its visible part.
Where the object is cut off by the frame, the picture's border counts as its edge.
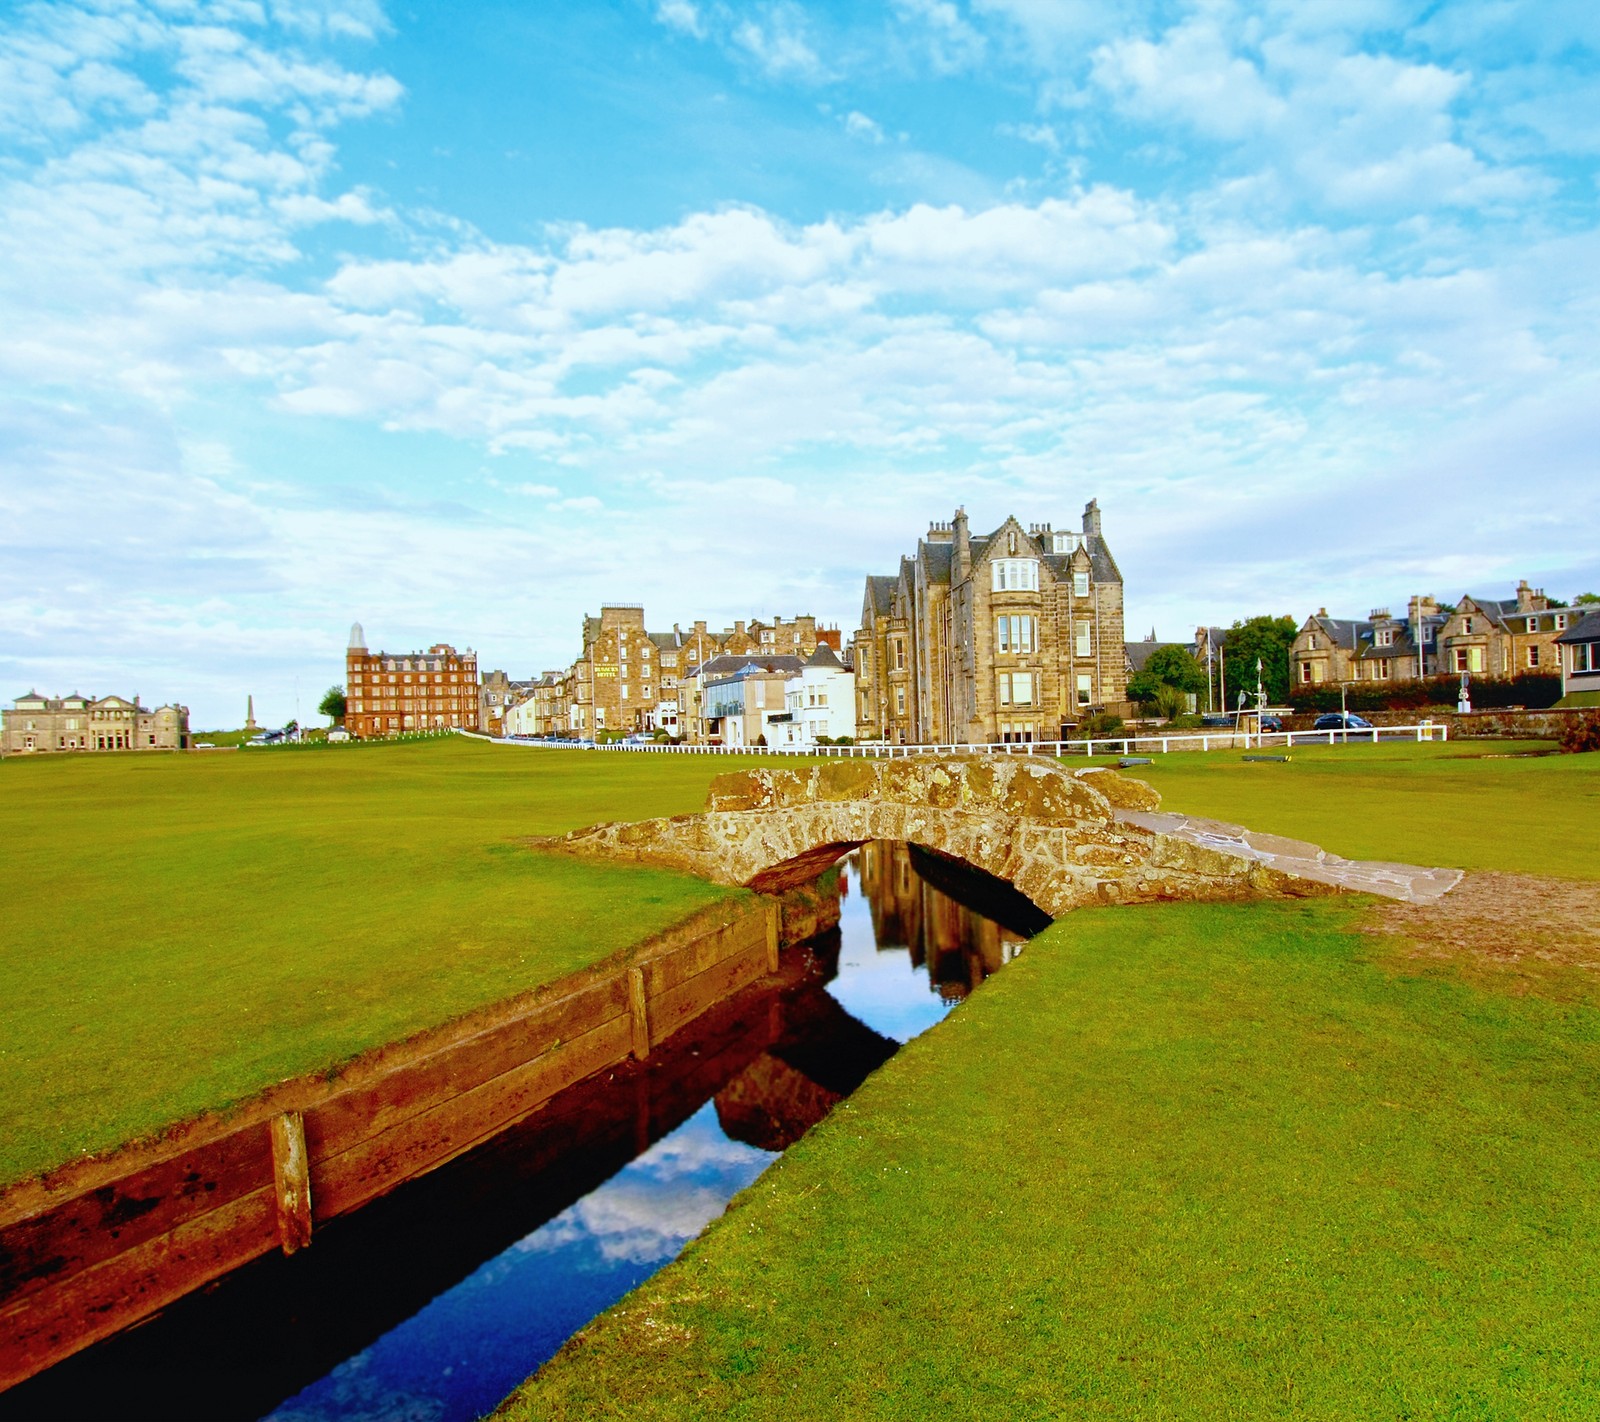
(1066, 839)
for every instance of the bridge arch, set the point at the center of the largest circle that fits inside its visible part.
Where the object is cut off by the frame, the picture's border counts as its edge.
(1060, 837)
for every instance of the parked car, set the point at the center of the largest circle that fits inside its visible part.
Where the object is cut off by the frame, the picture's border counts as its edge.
(1272, 723)
(1341, 721)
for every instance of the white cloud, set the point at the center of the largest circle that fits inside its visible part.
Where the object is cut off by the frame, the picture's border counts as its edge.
(774, 36)
(1042, 135)
(681, 15)
(858, 125)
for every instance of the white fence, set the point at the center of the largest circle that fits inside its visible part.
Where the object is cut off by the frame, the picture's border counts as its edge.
(1100, 745)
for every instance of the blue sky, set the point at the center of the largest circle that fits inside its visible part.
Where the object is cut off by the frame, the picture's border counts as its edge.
(458, 320)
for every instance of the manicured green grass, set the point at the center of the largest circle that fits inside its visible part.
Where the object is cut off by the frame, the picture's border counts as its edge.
(180, 931)
(1468, 804)
(1185, 1161)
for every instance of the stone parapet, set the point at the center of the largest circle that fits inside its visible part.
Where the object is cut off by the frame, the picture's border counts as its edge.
(1066, 839)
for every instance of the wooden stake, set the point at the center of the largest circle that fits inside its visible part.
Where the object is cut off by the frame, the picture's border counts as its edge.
(291, 1173)
(774, 914)
(640, 1014)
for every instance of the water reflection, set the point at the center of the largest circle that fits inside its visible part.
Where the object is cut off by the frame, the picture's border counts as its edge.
(437, 1300)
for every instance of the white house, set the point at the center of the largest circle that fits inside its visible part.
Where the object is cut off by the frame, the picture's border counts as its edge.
(818, 701)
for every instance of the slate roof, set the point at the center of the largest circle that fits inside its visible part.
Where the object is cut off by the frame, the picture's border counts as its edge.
(825, 656)
(731, 663)
(937, 558)
(1345, 633)
(880, 590)
(1585, 630)
(1139, 653)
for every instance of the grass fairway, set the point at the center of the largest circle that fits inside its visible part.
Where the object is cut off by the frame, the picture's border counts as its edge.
(1468, 804)
(181, 931)
(1185, 1161)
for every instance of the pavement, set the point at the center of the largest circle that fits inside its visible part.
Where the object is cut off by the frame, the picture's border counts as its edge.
(1409, 883)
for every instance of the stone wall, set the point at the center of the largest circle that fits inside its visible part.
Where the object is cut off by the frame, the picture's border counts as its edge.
(1058, 836)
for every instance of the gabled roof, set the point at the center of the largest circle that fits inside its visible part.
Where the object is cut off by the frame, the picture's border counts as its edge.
(937, 559)
(825, 656)
(880, 590)
(1346, 633)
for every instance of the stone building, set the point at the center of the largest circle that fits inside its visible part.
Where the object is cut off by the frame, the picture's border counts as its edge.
(497, 694)
(35, 724)
(628, 679)
(1504, 637)
(1496, 637)
(1379, 647)
(1009, 636)
(387, 693)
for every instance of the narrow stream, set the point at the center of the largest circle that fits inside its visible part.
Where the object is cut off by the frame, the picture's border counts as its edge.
(434, 1302)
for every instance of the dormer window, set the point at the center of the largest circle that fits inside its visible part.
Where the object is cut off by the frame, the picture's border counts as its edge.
(1065, 543)
(1016, 575)
(1384, 637)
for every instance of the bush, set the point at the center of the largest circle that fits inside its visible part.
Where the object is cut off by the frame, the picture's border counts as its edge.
(1096, 725)
(1581, 733)
(845, 741)
(1535, 690)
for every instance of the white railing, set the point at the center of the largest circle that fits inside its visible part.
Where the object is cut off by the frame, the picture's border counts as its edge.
(1099, 745)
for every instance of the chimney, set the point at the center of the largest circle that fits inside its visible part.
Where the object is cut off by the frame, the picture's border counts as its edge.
(1091, 519)
(963, 553)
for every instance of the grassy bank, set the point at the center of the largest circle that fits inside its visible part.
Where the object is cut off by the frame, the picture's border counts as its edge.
(1468, 804)
(183, 930)
(1183, 1161)
(1190, 1161)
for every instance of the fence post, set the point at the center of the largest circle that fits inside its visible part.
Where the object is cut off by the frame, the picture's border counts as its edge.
(291, 1173)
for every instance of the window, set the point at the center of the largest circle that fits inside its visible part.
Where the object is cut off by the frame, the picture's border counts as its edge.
(1469, 659)
(1065, 543)
(1016, 688)
(899, 653)
(624, 691)
(1016, 575)
(1586, 657)
(1015, 633)
(900, 701)
(1081, 641)
(1561, 622)
(1466, 625)
(1080, 585)
(1383, 637)
(1305, 673)
(1085, 685)
(1380, 671)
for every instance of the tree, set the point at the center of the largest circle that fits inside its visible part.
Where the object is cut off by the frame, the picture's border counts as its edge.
(1586, 599)
(1167, 675)
(333, 705)
(1267, 639)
